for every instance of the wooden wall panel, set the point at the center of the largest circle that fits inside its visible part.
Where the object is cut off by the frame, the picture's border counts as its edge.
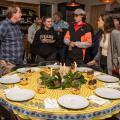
(95, 12)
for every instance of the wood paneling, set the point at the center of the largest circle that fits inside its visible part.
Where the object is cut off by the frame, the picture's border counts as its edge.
(34, 7)
(95, 13)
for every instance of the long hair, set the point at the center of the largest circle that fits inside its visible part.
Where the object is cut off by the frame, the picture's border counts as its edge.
(108, 23)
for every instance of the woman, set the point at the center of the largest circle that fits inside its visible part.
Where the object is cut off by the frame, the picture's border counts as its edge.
(110, 38)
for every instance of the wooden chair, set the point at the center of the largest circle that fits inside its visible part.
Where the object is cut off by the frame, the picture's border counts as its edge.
(6, 113)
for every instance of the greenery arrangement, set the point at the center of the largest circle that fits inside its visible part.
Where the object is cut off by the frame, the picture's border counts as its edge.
(71, 79)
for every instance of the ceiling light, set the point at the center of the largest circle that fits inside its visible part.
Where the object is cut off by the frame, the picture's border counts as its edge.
(106, 1)
(72, 3)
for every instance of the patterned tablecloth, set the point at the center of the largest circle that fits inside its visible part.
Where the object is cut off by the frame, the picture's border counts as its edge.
(34, 108)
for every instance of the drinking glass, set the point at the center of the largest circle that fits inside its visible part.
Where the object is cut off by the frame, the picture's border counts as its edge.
(41, 88)
(75, 90)
(90, 74)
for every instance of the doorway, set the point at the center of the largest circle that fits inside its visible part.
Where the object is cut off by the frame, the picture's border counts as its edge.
(45, 10)
(95, 13)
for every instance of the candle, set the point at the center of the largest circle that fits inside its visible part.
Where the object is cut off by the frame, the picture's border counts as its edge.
(60, 69)
(75, 66)
(64, 69)
(51, 71)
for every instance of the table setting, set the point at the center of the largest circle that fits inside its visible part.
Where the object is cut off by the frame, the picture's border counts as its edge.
(60, 92)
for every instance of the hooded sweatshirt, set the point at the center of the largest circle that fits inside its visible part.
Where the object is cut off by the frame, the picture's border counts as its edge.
(44, 43)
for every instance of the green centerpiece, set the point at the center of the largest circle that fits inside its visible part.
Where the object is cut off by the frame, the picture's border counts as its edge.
(70, 79)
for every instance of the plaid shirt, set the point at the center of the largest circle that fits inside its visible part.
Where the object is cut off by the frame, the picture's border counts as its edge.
(61, 24)
(11, 47)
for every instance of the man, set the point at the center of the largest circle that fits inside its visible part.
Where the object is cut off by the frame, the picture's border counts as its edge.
(34, 28)
(31, 33)
(11, 47)
(44, 44)
(60, 27)
(78, 38)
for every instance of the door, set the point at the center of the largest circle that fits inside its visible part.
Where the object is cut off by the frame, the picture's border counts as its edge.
(95, 13)
(45, 10)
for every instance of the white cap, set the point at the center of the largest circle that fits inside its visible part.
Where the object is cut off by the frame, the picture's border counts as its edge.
(79, 12)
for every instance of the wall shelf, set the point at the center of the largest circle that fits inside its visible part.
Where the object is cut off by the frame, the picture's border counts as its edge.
(28, 10)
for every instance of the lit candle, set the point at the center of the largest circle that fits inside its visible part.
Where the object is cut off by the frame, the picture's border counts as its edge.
(60, 69)
(51, 71)
(75, 66)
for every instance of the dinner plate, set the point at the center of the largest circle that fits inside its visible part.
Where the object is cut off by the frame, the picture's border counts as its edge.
(24, 70)
(34, 69)
(53, 66)
(20, 94)
(107, 78)
(73, 101)
(84, 69)
(96, 73)
(109, 93)
(10, 79)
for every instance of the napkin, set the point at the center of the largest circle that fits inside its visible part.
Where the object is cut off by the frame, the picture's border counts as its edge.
(6, 91)
(98, 100)
(51, 103)
(112, 85)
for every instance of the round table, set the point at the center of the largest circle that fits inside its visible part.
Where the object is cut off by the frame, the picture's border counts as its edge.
(34, 108)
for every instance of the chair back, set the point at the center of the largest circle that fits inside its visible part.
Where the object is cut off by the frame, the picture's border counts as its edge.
(6, 113)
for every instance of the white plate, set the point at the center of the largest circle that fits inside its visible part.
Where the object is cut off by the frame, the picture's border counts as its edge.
(10, 79)
(84, 69)
(73, 101)
(24, 70)
(53, 66)
(109, 93)
(107, 78)
(34, 69)
(20, 94)
(96, 73)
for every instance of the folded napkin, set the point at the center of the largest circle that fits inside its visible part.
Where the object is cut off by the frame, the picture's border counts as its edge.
(98, 100)
(6, 91)
(51, 103)
(112, 85)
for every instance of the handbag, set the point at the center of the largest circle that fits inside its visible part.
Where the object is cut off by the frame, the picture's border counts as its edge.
(115, 69)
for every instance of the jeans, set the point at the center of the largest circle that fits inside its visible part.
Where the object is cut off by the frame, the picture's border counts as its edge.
(61, 53)
(40, 59)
